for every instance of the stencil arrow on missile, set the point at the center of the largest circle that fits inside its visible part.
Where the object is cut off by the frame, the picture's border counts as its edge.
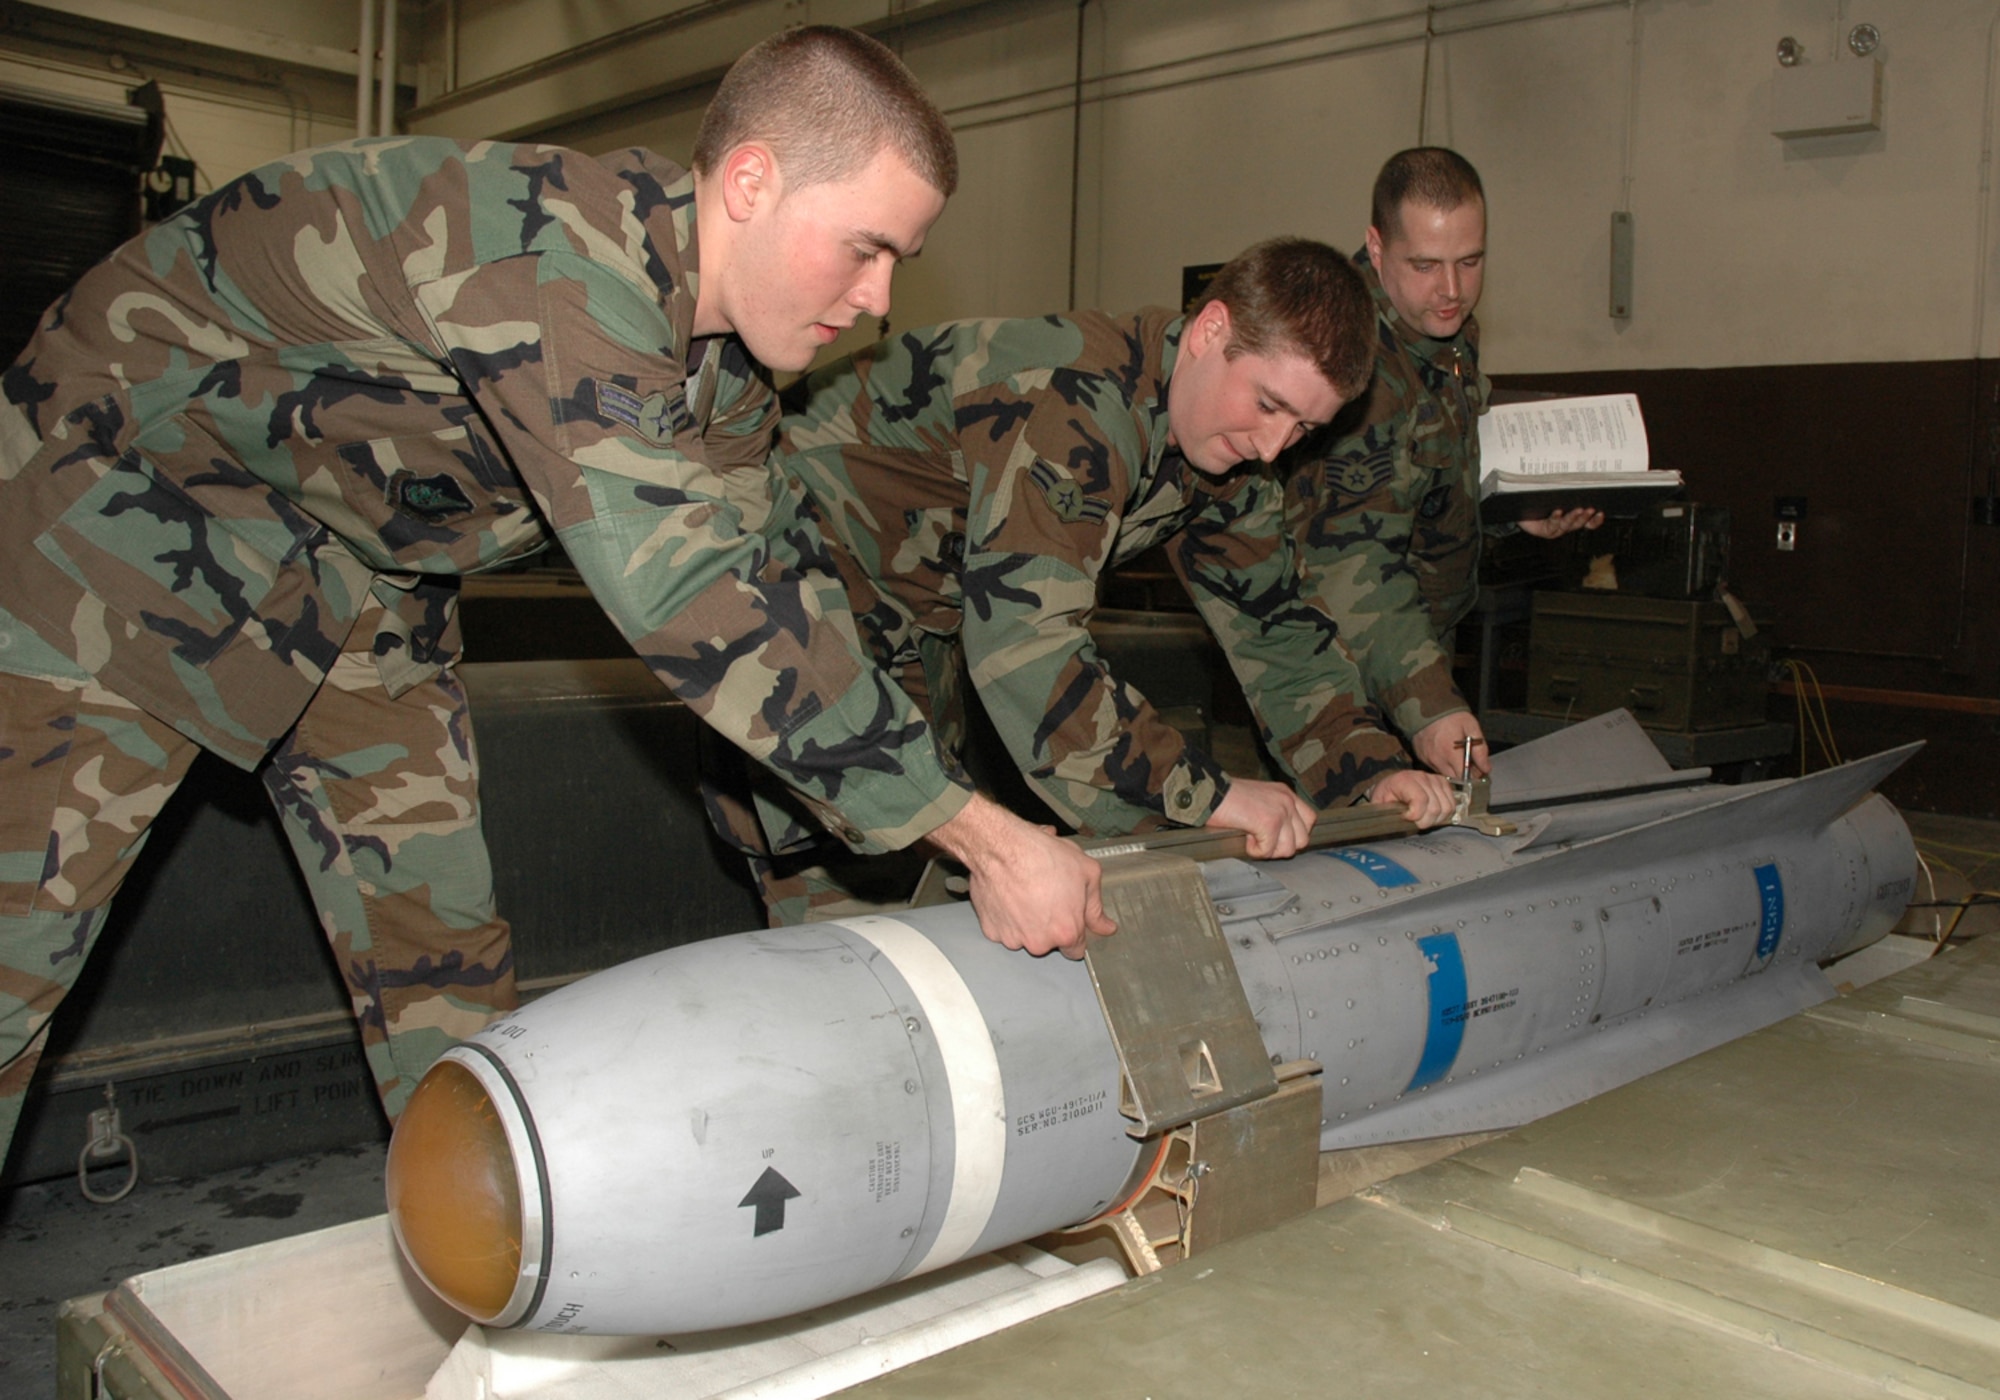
(769, 1196)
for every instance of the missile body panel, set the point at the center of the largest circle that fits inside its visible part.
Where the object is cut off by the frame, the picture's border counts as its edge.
(747, 1127)
(751, 1126)
(1412, 970)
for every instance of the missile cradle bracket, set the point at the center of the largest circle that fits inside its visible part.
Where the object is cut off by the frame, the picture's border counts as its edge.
(1216, 1179)
(1472, 807)
(1238, 1139)
(1186, 1040)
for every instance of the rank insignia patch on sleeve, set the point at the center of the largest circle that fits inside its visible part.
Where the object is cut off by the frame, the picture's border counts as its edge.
(1065, 497)
(657, 417)
(1359, 476)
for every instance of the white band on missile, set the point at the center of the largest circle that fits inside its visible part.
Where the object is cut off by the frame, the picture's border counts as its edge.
(972, 1074)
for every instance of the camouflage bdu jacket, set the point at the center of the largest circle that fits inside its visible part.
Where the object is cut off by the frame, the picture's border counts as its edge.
(1385, 507)
(985, 474)
(372, 368)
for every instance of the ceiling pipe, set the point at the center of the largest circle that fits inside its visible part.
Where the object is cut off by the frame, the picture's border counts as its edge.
(364, 72)
(1076, 153)
(1981, 253)
(1114, 85)
(385, 123)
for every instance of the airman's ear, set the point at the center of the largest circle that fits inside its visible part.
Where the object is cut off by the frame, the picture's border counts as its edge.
(749, 179)
(1210, 328)
(1375, 248)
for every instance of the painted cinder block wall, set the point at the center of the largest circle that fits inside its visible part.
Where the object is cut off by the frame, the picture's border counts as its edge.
(1810, 316)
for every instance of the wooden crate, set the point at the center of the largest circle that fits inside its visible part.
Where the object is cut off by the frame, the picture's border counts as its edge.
(333, 1313)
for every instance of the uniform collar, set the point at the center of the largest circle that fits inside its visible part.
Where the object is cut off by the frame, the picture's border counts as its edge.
(1164, 454)
(1170, 351)
(1169, 461)
(663, 196)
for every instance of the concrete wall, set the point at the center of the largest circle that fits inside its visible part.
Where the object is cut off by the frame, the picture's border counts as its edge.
(1751, 250)
(1809, 318)
(1208, 124)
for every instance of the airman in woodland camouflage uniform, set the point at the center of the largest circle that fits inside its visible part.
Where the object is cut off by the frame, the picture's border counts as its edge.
(1385, 505)
(978, 479)
(245, 461)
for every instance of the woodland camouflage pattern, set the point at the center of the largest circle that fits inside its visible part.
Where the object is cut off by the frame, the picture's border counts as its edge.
(244, 462)
(374, 368)
(984, 475)
(386, 833)
(1384, 505)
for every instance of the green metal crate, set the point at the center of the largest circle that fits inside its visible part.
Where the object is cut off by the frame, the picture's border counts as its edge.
(1679, 666)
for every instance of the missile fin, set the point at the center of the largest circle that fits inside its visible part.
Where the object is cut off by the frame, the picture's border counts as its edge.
(1743, 815)
(1580, 1069)
(1606, 754)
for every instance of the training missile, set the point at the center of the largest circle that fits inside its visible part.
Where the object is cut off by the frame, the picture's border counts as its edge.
(757, 1124)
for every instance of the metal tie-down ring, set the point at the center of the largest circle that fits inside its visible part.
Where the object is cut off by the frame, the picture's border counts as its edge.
(107, 1139)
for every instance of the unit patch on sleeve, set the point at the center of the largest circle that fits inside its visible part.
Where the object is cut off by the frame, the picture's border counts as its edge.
(430, 499)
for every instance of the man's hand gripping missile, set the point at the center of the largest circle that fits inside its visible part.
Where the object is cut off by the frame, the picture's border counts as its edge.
(1037, 892)
(1033, 890)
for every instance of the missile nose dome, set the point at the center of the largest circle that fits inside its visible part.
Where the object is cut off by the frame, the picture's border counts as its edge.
(454, 1194)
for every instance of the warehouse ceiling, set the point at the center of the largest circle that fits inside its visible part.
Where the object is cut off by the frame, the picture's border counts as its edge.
(613, 58)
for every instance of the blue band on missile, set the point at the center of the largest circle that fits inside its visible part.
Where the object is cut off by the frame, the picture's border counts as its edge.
(1771, 894)
(1447, 992)
(1379, 868)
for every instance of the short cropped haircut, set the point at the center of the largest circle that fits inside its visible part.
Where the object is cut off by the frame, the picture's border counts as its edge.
(1295, 296)
(826, 100)
(1431, 175)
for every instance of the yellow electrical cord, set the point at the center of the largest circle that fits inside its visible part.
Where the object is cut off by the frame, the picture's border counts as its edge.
(1984, 855)
(1812, 714)
(1813, 718)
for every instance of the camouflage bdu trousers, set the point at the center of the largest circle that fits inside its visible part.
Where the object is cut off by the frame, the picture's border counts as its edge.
(378, 799)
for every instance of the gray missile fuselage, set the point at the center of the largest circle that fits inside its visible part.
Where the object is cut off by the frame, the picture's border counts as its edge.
(754, 1125)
